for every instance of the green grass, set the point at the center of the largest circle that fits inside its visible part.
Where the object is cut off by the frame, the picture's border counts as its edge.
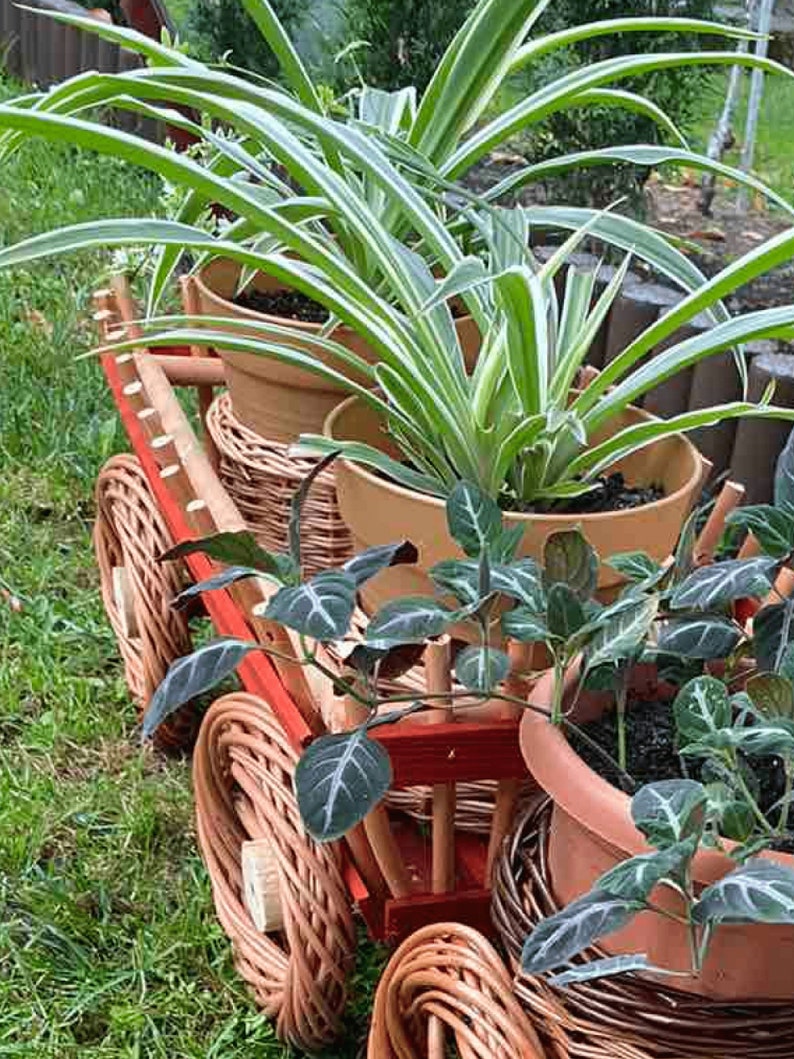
(109, 945)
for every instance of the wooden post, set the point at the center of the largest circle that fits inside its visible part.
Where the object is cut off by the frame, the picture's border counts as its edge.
(438, 661)
(730, 496)
(192, 304)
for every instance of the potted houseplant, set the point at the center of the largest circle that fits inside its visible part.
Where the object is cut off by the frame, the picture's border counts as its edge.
(432, 142)
(674, 877)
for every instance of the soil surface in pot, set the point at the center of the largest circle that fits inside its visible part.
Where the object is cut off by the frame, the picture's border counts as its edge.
(612, 493)
(290, 304)
(652, 754)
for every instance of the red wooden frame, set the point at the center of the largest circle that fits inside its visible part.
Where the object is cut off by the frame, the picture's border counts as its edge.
(420, 754)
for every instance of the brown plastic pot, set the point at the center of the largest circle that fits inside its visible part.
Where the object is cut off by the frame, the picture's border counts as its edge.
(379, 511)
(276, 400)
(592, 831)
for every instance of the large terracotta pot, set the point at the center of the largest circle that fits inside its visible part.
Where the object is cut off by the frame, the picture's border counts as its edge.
(591, 831)
(276, 400)
(379, 511)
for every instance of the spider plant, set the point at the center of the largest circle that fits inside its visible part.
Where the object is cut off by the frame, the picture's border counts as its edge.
(509, 427)
(433, 140)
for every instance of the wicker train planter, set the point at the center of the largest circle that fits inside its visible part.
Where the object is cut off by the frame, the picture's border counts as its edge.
(129, 536)
(423, 877)
(626, 1017)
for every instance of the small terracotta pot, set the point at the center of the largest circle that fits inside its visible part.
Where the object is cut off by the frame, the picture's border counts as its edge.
(592, 831)
(379, 511)
(275, 400)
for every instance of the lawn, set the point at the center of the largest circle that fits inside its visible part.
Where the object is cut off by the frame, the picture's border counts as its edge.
(108, 942)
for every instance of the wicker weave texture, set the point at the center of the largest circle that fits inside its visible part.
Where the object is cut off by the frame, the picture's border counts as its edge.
(129, 536)
(445, 984)
(243, 781)
(261, 477)
(626, 1017)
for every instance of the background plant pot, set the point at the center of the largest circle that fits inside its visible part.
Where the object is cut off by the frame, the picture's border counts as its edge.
(379, 511)
(275, 400)
(592, 830)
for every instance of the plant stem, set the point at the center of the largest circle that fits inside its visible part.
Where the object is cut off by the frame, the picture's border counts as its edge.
(756, 809)
(788, 767)
(559, 688)
(621, 716)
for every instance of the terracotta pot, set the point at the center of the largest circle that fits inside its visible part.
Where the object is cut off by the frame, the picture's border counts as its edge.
(379, 511)
(591, 831)
(277, 401)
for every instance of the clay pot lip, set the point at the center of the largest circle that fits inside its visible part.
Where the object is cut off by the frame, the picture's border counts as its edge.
(305, 326)
(587, 797)
(562, 520)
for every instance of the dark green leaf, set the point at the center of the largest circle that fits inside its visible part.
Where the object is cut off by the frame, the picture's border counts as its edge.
(710, 587)
(461, 577)
(366, 564)
(607, 967)
(760, 891)
(685, 547)
(474, 518)
(669, 811)
(701, 706)
(636, 566)
(338, 780)
(786, 668)
(734, 817)
(412, 619)
(506, 545)
(771, 527)
(564, 611)
(758, 741)
(772, 694)
(192, 675)
(568, 559)
(481, 668)
(636, 877)
(784, 476)
(525, 626)
(238, 549)
(559, 937)
(768, 632)
(698, 637)
(321, 608)
(390, 664)
(222, 580)
(622, 631)
(296, 506)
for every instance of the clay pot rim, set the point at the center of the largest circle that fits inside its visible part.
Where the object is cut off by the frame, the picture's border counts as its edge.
(590, 799)
(307, 327)
(563, 520)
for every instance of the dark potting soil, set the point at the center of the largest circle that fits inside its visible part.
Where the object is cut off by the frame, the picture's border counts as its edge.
(652, 756)
(290, 304)
(611, 493)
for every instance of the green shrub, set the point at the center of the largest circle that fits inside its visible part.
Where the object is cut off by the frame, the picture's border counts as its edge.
(405, 39)
(218, 28)
(676, 91)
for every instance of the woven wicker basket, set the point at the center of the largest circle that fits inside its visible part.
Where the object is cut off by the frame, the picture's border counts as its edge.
(261, 478)
(626, 1017)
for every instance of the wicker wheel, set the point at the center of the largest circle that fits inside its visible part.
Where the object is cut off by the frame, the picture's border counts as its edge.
(626, 1017)
(446, 981)
(129, 536)
(242, 775)
(261, 477)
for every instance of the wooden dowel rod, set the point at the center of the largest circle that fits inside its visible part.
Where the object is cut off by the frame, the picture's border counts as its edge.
(377, 828)
(192, 304)
(750, 547)
(507, 791)
(191, 371)
(438, 662)
(784, 586)
(731, 496)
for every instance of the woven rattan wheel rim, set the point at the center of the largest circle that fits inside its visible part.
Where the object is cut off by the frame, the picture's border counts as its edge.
(243, 771)
(626, 1017)
(451, 974)
(261, 476)
(130, 535)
